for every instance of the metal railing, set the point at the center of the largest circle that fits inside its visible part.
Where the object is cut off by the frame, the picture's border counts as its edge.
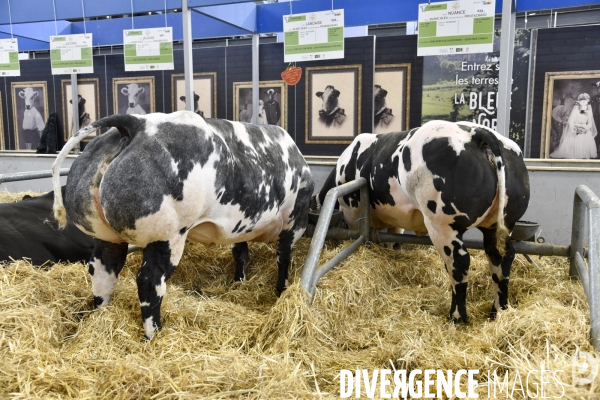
(310, 273)
(586, 212)
(24, 176)
(584, 197)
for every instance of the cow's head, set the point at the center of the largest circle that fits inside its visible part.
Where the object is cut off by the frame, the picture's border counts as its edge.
(379, 95)
(133, 92)
(330, 99)
(80, 104)
(270, 94)
(29, 95)
(196, 99)
(261, 108)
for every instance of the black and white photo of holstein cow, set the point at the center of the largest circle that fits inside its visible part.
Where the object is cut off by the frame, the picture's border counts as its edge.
(159, 179)
(442, 179)
(331, 113)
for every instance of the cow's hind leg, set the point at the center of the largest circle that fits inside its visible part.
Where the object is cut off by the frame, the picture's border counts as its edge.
(104, 267)
(240, 256)
(499, 268)
(284, 255)
(160, 260)
(457, 260)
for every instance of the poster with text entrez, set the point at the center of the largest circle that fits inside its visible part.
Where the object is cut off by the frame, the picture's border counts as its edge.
(9, 58)
(313, 36)
(455, 27)
(148, 49)
(71, 54)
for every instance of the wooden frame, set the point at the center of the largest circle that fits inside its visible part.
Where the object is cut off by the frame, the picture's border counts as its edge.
(561, 91)
(205, 86)
(31, 123)
(242, 98)
(341, 122)
(393, 114)
(89, 90)
(146, 97)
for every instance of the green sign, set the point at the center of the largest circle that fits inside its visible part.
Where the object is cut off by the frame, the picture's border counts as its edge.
(313, 36)
(148, 49)
(454, 27)
(9, 58)
(71, 54)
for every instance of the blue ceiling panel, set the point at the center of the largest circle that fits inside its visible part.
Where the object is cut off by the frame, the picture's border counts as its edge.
(204, 3)
(109, 32)
(26, 44)
(533, 5)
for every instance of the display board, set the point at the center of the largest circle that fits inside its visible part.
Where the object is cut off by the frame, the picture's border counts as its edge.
(148, 49)
(313, 36)
(9, 58)
(71, 54)
(456, 27)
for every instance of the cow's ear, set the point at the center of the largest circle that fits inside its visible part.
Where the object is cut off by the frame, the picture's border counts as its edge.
(383, 92)
(182, 98)
(196, 97)
(22, 94)
(141, 90)
(82, 100)
(71, 101)
(319, 94)
(125, 91)
(35, 94)
(336, 93)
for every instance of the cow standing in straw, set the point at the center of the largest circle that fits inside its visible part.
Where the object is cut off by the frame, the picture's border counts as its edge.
(159, 179)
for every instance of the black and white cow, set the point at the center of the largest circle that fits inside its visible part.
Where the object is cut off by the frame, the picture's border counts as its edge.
(196, 106)
(442, 179)
(28, 230)
(331, 114)
(383, 114)
(159, 179)
(133, 92)
(84, 116)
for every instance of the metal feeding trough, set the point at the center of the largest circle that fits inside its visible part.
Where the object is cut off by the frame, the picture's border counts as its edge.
(525, 230)
(336, 217)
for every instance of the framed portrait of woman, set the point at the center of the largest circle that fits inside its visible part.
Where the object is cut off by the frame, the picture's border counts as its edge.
(571, 116)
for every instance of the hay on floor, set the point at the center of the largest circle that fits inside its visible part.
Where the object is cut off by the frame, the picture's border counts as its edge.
(381, 309)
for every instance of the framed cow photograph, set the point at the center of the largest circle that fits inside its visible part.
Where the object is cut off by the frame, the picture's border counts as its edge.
(272, 103)
(391, 98)
(571, 115)
(88, 105)
(205, 93)
(2, 145)
(133, 95)
(333, 96)
(30, 112)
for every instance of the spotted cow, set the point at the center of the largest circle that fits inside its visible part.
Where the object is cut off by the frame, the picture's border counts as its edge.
(159, 179)
(442, 179)
(196, 106)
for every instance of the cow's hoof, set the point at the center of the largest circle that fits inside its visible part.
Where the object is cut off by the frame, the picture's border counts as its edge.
(459, 320)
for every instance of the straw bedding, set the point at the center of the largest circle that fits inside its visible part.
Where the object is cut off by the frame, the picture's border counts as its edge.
(381, 309)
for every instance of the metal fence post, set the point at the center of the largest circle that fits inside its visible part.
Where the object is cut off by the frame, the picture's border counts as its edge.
(576, 235)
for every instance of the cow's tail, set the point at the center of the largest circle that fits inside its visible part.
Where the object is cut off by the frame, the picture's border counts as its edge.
(492, 147)
(126, 124)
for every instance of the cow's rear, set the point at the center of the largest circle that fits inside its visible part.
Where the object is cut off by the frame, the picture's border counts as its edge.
(442, 179)
(160, 179)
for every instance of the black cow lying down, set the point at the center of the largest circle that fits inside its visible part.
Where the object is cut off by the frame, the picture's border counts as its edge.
(28, 229)
(161, 178)
(442, 179)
